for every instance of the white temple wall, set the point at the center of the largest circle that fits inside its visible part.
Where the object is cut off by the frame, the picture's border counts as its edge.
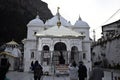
(32, 30)
(84, 30)
(87, 59)
(28, 48)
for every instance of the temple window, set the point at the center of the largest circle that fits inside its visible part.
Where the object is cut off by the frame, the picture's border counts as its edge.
(32, 55)
(84, 55)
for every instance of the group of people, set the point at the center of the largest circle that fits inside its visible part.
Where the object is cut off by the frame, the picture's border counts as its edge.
(37, 69)
(76, 72)
(80, 72)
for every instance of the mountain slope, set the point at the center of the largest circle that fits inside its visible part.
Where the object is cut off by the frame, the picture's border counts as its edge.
(15, 14)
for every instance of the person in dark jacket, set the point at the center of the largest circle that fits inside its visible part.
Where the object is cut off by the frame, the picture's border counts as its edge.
(82, 71)
(4, 68)
(32, 66)
(37, 71)
(61, 58)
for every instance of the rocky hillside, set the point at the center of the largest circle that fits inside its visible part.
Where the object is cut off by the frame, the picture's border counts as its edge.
(15, 14)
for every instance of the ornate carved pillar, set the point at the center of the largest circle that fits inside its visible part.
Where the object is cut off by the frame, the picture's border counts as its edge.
(51, 51)
(69, 56)
(39, 50)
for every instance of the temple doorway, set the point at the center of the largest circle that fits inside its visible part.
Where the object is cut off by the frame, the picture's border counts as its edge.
(60, 55)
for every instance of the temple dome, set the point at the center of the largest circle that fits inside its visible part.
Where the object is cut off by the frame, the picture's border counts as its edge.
(80, 23)
(36, 22)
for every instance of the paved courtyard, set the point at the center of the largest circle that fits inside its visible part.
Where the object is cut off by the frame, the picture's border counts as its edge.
(29, 76)
(14, 75)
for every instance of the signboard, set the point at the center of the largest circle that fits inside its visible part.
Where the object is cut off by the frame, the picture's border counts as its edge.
(46, 55)
(61, 69)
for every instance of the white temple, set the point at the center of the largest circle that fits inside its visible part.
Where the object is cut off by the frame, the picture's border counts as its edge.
(45, 42)
(13, 54)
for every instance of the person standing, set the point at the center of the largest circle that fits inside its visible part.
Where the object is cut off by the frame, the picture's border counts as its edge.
(97, 73)
(61, 58)
(32, 66)
(38, 72)
(73, 71)
(82, 71)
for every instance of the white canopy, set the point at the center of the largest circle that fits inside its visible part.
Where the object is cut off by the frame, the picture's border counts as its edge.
(59, 32)
(12, 43)
(16, 52)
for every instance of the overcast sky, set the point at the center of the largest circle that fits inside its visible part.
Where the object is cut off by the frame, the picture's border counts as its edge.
(94, 12)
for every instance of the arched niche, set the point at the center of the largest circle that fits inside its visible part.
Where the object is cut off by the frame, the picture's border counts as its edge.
(46, 55)
(46, 48)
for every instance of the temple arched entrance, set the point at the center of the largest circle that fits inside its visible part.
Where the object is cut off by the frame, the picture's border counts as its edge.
(60, 46)
(60, 56)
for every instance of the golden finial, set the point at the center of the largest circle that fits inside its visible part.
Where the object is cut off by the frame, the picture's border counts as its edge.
(58, 24)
